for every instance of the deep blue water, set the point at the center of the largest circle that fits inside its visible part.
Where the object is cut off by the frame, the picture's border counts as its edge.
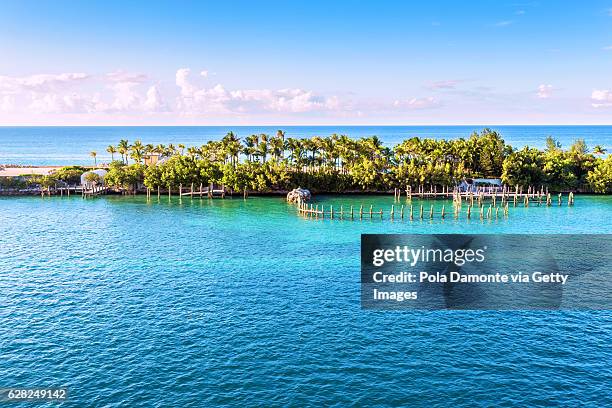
(71, 145)
(243, 303)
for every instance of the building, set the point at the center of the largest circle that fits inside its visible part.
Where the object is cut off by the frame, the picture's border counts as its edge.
(480, 184)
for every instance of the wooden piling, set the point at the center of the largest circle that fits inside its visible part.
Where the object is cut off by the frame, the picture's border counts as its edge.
(370, 212)
(421, 212)
(431, 212)
(442, 210)
(361, 212)
(351, 212)
(411, 213)
(469, 211)
(402, 212)
(392, 210)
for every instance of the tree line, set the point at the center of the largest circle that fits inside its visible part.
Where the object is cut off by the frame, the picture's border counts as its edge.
(338, 163)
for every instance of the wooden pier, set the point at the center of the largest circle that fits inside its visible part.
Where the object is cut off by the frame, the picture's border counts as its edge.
(466, 206)
(84, 191)
(401, 212)
(502, 195)
(194, 191)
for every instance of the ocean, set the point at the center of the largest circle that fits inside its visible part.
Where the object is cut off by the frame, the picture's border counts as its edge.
(72, 145)
(243, 303)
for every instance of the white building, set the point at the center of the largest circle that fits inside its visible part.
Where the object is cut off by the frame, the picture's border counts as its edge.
(480, 184)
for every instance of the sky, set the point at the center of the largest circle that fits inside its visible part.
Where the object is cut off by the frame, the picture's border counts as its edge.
(305, 62)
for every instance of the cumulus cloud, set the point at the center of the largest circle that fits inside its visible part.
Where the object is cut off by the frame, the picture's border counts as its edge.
(154, 101)
(73, 93)
(194, 99)
(7, 103)
(601, 98)
(544, 91)
(40, 82)
(417, 103)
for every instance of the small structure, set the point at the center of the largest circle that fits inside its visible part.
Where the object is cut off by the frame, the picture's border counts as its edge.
(480, 184)
(151, 158)
(100, 172)
(298, 195)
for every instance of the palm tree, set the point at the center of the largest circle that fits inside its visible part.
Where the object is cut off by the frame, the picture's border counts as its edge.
(94, 155)
(599, 150)
(123, 148)
(112, 150)
(263, 148)
(137, 150)
(181, 148)
(280, 134)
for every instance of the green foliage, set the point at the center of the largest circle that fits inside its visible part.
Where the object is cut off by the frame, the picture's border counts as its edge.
(70, 175)
(92, 178)
(600, 178)
(337, 163)
(43, 181)
(13, 183)
(524, 168)
(123, 176)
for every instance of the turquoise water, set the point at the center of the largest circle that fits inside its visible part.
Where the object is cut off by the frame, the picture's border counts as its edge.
(244, 303)
(71, 145)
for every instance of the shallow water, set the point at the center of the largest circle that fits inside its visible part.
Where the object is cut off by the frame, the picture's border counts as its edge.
(232, 302)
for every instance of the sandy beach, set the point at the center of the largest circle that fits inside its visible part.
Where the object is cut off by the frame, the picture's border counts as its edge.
(17, 171)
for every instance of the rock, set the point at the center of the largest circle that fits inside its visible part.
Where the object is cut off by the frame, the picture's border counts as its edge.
(298, 194)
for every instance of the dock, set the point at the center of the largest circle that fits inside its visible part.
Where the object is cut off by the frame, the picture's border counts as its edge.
(467, 205)
(209, 191)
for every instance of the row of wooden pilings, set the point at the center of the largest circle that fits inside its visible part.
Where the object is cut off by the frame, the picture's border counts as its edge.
(313, 211)
(208, 191)
(504, 195)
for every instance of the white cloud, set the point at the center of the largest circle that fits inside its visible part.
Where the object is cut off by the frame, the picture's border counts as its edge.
(154, 101)
(126, 97)
(40, 82)
(544, 91)
(417, 103)
(7, 103)
(607, 48)
(204, 73)
(520, 12)
(75, 93)
(601, 98)
(195, 100)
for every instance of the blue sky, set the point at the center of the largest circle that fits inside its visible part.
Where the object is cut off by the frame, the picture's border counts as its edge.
(305, 62)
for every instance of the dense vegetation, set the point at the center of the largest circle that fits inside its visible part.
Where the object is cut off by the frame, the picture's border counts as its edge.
(338, 163)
